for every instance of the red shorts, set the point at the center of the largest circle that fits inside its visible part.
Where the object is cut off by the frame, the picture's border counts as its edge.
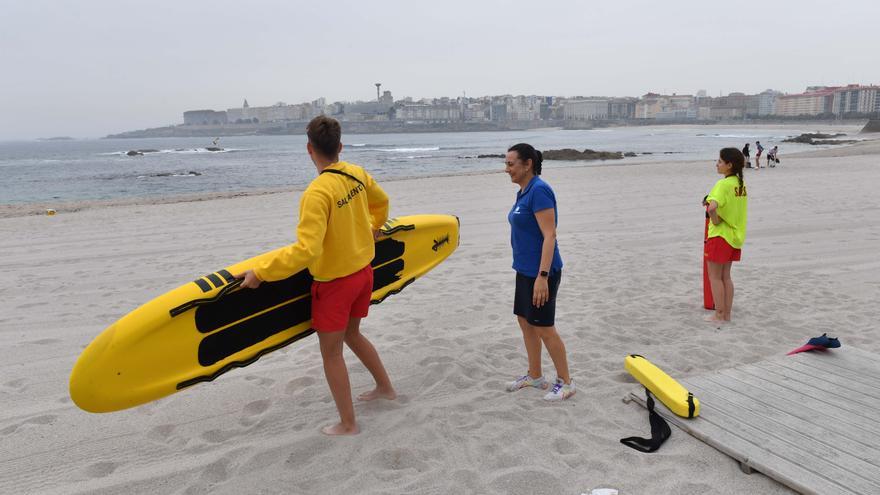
(334, 302)
(719, 251)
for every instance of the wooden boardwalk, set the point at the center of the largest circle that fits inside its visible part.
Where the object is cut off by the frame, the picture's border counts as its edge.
(810, 421)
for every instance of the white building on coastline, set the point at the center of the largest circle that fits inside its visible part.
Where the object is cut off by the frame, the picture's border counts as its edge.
(586, 109)
(767, 102)
(279, 112)
(855, 98)
(815, 102)
(674, 106)
(424, 112)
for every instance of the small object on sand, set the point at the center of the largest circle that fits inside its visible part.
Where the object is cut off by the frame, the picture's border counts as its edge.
(821, 343)
(602, 491)
(50, 211)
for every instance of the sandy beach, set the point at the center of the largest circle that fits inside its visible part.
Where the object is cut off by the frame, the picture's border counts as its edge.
(631, 239)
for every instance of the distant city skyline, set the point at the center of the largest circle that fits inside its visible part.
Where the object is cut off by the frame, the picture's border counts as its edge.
(497, 111)
(90, 69)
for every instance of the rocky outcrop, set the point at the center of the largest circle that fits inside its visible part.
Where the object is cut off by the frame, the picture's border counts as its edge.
(140, 152)
(587, 154)
(834, 141)
(191, 173)
(872, 126)
(812, 137)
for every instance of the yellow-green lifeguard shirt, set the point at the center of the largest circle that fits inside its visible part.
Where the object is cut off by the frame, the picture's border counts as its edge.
(732, 205)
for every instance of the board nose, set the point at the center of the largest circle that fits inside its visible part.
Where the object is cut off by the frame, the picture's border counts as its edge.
(85, 387)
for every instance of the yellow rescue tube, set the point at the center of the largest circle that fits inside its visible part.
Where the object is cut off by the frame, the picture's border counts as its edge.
(671, 393)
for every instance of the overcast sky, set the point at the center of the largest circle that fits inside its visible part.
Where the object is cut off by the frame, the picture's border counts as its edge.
(93, 67)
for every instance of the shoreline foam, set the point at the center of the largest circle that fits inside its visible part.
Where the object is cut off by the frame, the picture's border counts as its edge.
(867, 146)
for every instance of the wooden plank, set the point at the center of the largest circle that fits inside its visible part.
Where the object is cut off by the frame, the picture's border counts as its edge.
(852, 358)
(793, 453)
(729, 411)
(835, 363)
(807, 376)
(750, 454)
(809, 400)
(829, 434)
(810, 421)
(849, 358)
(866, 379)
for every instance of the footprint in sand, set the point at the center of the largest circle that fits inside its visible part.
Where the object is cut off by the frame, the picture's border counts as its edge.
(523, 482)
(217, 436)
(623, 378)
(564, 446)
(214, 473)
(43, 341)
(435, 359)
(18, 384)
(297, 384)
(100, 469)
(160, 433)
(37, 420)
(252, 411)
(396, 459)
(260, 380)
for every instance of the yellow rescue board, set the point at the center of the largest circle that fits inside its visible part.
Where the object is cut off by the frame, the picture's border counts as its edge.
(204, 328)
(671, 393)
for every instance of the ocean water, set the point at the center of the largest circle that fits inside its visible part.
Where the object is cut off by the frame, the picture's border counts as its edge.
(43, 172)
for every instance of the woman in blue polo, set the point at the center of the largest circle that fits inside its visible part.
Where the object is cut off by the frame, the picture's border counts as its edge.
(538, 271)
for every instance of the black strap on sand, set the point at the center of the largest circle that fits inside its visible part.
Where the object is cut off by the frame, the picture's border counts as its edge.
(340, 172)
(660, 431)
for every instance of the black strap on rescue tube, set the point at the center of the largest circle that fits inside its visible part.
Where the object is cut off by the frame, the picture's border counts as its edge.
(660, 431)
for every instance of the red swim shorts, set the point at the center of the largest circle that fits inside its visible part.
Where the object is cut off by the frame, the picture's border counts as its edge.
(334, 302)
(719, 251)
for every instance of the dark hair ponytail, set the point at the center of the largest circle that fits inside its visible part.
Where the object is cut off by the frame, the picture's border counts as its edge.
(737, 160)
(527, 152)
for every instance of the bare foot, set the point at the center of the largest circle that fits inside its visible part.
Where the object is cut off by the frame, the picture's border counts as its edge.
(713, 318)
(378, 394)
(340, 429)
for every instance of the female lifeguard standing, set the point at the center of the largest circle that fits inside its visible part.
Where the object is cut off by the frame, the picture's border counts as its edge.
(727, 207)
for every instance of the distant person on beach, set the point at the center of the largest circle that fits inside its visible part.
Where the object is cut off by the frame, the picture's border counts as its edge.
(746, 153)
(771, 157)
(758, 150)
(538, 267)
(727, 207)
(335, 240)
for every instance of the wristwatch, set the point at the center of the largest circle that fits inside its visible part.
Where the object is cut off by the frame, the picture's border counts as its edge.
(544, 274)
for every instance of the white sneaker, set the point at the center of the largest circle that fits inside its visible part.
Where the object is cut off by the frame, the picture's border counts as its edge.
(527, 381)
(560, 390)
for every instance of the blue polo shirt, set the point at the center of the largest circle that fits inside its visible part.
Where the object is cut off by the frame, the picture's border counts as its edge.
(525, 235)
